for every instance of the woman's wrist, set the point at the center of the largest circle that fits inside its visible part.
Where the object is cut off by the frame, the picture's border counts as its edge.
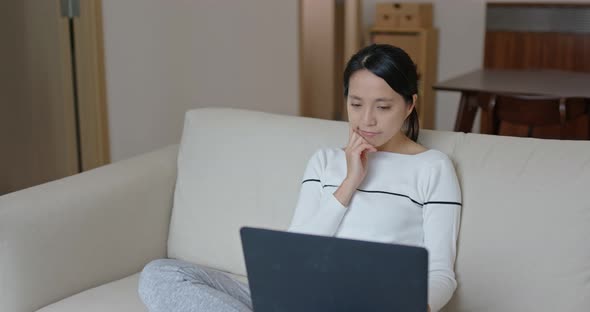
(345, 191)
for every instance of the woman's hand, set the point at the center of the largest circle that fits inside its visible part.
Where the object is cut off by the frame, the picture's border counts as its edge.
(356, 166)
(356, 157)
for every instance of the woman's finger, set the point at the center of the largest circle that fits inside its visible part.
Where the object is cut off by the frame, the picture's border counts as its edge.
(352, 137)
(362, 147)
(355, 139)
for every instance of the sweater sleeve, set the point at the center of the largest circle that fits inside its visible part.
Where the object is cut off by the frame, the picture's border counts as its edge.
(441, 217)
(317, 211)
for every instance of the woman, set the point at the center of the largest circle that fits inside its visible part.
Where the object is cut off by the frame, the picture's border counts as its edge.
(382, 187)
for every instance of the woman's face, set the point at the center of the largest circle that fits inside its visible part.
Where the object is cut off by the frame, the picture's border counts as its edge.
(375, 108)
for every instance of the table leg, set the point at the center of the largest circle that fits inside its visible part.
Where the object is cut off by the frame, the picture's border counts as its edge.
(587, 100)
(466, 114)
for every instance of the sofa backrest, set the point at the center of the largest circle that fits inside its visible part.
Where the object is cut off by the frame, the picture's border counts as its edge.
(525, 218)
(238, 168)
(525, 232)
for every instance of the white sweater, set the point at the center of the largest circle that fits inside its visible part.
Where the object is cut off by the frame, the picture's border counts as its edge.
(404, 199)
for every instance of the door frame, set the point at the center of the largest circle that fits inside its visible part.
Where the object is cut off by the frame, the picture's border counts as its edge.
(93, 126)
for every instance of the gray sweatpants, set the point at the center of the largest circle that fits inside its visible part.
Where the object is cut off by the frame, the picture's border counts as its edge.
(168, 285)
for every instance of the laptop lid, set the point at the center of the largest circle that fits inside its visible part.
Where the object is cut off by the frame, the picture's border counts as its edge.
(291, 272)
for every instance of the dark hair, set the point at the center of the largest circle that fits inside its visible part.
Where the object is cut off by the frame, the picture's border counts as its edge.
(394, 66)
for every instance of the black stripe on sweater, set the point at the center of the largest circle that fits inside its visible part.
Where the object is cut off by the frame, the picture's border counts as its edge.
(394, 194)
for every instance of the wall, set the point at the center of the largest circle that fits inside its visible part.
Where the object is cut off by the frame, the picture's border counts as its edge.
(461, 25)
(165, 57)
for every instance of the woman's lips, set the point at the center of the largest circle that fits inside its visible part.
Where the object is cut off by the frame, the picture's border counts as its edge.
(368, 134)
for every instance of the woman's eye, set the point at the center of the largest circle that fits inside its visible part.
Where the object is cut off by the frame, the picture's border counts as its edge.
(384, 107)
(355, 105)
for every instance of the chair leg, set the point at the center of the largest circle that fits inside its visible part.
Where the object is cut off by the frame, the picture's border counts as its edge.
(492, 124)
(562, 118)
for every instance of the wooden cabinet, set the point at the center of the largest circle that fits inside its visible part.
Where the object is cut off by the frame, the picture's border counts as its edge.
(405, 15)
(515, 39)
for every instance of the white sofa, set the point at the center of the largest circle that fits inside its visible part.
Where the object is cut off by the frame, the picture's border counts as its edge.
(77, 244)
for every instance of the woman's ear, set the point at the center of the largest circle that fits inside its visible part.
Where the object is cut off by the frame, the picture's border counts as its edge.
(411, 106)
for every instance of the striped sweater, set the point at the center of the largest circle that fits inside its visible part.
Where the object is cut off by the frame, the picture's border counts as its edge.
(404, 199)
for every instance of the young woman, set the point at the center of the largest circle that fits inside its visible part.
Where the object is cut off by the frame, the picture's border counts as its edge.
(383, 186)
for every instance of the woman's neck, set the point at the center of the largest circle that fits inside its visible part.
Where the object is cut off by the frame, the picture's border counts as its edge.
(401, 144)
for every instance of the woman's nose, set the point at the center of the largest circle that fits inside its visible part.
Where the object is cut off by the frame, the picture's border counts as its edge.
(369, 117)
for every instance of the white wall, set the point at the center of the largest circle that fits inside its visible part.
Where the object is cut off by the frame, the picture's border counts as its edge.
(165, 57)
(461, 25)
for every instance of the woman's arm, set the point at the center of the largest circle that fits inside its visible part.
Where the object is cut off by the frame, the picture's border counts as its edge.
(441, 213)
(345, 191)
(318, 211)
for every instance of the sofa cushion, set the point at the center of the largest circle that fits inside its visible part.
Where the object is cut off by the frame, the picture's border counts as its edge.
(117, 296)
(523, 242)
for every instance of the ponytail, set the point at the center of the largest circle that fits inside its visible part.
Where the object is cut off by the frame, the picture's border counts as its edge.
(412, 125)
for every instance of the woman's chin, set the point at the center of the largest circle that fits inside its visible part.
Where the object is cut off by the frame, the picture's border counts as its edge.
(378, 145)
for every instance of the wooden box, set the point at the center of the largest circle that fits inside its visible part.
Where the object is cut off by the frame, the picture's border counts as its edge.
(404, 15)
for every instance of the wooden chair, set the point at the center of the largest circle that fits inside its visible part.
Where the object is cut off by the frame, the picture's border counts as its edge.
(537, 116)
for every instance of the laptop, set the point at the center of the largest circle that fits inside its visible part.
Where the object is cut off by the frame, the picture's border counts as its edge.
(290, 272)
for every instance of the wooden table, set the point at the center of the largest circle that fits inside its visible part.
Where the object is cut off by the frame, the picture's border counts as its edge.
(520, 82)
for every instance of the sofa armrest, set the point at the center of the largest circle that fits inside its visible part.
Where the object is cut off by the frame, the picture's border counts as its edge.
(69, 235)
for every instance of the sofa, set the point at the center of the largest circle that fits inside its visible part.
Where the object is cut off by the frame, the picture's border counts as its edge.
(79, 243)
